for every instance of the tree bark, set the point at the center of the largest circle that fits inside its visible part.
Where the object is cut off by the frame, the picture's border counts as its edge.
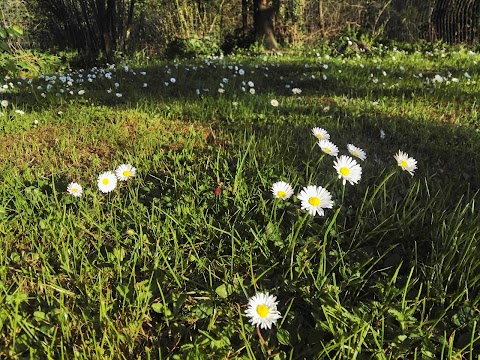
(263, 15)
(244, 17)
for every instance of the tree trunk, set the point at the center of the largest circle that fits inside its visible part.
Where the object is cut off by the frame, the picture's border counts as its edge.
(263, 15)
(244, 17)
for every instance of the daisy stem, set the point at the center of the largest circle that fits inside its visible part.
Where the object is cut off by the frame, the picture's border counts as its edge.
(262, 340)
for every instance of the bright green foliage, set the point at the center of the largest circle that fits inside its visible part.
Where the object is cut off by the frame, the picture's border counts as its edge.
(12, 31)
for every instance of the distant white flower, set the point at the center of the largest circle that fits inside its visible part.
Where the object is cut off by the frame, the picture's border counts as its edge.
(125, 171)
(20, 112)
(241, 72)
(320, 133)
(173, 80)
(262, 310)
(382, 134)
(119, 95)
(81, 92)
(75, 189)
(107, 182)
(328, 147)
(296, 91)
(274, 102)
(314, 199)
(251, 84)
(348, 169)
(4, 103)
(357, 152)
(282, 190)
(405, 162)
(252, 91)
(221, 90)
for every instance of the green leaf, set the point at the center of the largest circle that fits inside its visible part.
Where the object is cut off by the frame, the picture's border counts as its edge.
(283, 336)
(39, 315)
(17, 30)
(224, 290)
(157, 307)
(123, 290)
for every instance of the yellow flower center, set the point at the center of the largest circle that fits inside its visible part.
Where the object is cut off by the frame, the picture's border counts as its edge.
(327, 150)
(127, 173)
(404, 164)
(74, 190)
(105, 181)
(355, 153)
(344, 171)
(320, 136)
(262, 310)
(281, 194)
(314, 201)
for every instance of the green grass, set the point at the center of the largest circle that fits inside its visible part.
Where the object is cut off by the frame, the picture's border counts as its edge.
(163, 266)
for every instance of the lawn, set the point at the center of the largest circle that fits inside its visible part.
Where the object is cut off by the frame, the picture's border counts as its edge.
(161, 262)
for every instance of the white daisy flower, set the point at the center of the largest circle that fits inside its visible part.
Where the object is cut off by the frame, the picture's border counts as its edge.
(107, 182)
(328, 147)
(320, 133)
(357, 152)
(262, 310)
(274, 102)
(125, 171)
(296, 91)
(282, 190)
(405, 162)
(75, 189)
(314, 199)
(4, 103)
(348, 169)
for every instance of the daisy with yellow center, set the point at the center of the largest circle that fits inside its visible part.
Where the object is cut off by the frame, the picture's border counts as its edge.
(274, 102)
(314, 199)
(107, 182)
(282, 190)
(262, 310)
(348, 169)
(320, 133)
(328, 147)
(125, 171)
(75, 189)
(405, 162)
(357, 152)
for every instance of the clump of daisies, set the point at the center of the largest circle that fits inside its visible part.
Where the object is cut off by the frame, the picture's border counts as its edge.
(262, 310)
(406, 162)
